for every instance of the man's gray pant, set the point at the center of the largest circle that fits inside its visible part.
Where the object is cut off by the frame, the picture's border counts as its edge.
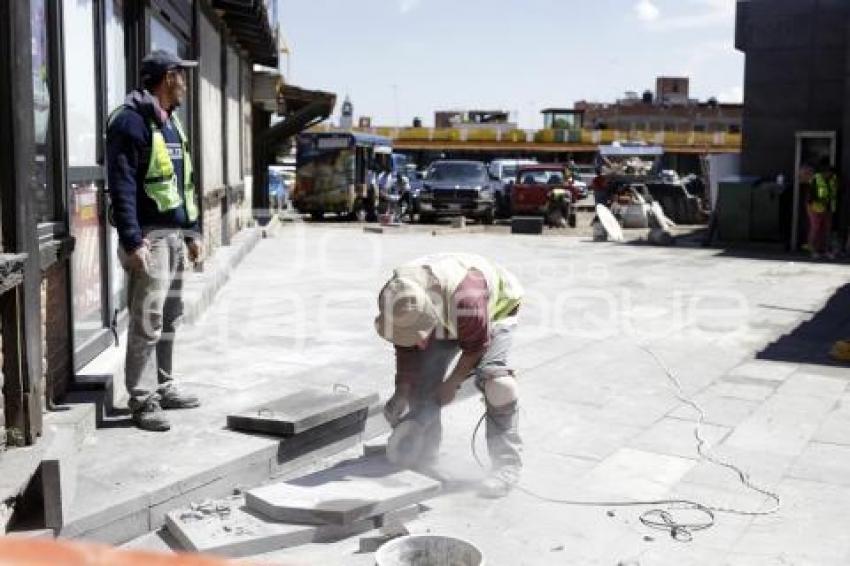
(502, 423)
(155, 306)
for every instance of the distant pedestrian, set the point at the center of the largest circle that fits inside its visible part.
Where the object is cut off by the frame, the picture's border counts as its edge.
(155, 210)
(821, 201)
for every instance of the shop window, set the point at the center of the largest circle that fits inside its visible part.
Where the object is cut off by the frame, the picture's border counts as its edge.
(44, 194)
(163, 37)
(80, 92)
(116, 90)
(234, 172)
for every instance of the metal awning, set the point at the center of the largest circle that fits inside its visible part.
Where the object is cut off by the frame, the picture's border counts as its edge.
(251, 25)
(301, 109)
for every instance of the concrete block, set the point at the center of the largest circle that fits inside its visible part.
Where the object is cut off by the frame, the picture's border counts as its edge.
(59, 476)
(527, 225)
(342, 494)
(398, 517)
(300, 411)
(228, 528)
(373, 543)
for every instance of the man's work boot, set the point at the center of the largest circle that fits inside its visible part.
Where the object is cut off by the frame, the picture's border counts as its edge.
(500, 482)
(173, 398)
(150, 416)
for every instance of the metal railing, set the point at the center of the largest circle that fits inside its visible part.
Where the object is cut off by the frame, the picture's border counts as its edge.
(583, 137)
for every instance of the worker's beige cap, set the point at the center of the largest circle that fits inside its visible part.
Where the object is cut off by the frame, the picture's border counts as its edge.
(406, 312)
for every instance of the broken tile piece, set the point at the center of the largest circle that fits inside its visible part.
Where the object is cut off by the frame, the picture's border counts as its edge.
(342, 494)
(300, 411)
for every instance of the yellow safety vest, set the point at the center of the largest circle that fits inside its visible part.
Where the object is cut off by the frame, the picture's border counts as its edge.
(825, 194)
(161, 180)
(451, 269)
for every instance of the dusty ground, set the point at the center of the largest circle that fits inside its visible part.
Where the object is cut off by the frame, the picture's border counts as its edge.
(599, 417)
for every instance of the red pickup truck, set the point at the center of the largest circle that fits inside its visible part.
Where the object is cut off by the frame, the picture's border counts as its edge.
(545, 190)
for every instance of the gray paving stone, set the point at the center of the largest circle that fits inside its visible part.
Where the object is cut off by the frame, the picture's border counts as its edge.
(343, 494)
(675, 437)
(719, 410)
(300, 411)
(803, 383)
(825, 463)
(784, 424)
(811, 527)
(765, 370)
(835, 428)
(636, 474)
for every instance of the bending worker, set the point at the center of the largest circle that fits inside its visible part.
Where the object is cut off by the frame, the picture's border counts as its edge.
(432, 309)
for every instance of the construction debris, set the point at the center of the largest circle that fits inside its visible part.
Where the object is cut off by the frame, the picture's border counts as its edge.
(330, 505)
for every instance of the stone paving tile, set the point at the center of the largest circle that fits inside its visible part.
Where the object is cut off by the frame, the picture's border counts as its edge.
(825, 463)
(811, 527)
(675, 437)
(782, 425)
(636, 474)
(719, 410)
(747, 392)
(764, 370)
(764, 469)
(816, 385)
(835, 428)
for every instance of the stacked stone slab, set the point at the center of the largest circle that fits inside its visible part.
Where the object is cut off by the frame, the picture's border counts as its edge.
(348, 499)
(344, 501)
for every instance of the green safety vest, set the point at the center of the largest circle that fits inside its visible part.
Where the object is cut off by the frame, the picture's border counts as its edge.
(825, 193)
(160, 179)
(450, 269)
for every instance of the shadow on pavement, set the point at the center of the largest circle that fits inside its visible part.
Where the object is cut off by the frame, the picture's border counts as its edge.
(812, 340)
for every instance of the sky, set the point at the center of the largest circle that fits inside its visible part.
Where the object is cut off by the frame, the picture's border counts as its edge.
(398, 59)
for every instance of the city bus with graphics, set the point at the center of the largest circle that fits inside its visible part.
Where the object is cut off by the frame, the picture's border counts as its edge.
(335, 173)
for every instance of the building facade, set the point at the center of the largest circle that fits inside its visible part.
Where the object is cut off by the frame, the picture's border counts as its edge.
(669, 109)
(65, 66)
(797, 80)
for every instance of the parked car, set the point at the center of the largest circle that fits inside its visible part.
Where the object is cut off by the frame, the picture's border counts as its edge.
(503, 173)
(544, 190)
(457, 188)
(584, 173)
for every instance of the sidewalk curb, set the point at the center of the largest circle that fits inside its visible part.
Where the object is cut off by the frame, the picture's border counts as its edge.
(138, 515)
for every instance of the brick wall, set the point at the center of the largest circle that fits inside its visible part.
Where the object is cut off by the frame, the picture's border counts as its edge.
(56, 343)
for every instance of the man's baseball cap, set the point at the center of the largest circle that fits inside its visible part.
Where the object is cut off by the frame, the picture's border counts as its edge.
(159, 62)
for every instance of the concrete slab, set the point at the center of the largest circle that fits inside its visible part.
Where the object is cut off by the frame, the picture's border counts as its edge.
(59, 476)
(636, 474)
(229, 528)
(675, 437)
(824, 463)
(300, 411)
(343, 494)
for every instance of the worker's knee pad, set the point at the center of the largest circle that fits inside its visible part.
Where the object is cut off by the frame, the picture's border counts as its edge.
(501, 391)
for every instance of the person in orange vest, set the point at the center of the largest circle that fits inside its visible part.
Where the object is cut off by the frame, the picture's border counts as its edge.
(822, 200)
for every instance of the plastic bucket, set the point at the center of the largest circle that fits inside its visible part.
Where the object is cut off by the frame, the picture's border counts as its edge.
(429, 550)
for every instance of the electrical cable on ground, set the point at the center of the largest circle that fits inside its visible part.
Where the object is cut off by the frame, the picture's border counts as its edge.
(663, 518)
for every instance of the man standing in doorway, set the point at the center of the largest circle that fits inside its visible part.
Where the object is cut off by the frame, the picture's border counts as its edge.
(823, 195)
(155, 210)
(433, 309)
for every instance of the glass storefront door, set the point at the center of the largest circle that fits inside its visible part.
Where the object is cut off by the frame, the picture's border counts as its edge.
(95, 83)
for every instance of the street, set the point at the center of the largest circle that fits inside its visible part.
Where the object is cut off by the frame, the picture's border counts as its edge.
(599, 417)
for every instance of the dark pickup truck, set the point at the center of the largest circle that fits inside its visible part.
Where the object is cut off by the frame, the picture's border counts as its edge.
(456, 188)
